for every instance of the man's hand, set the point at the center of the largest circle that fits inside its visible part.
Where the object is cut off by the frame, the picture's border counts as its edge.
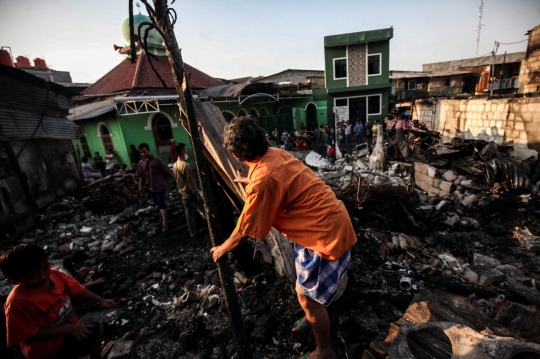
(217, 253)
(240, 178)
(107, 303)
(81, 330)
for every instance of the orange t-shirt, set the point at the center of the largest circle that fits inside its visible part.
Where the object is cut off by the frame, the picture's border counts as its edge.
(28, 311)
(285, 194)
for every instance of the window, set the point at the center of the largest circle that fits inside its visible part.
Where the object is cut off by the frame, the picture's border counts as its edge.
(412, 85)
(374, 105)
(106, 138)
(161, 127)
(340, 68)
(264, 112)
(253, 113)
(447, 82)
(241, 112)
(374, 64)
(341, 102)
(85, 147)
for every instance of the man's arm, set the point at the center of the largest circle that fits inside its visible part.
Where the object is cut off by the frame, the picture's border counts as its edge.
(231, 243)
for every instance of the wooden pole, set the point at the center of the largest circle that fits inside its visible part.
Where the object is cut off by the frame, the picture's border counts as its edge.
(160, 17)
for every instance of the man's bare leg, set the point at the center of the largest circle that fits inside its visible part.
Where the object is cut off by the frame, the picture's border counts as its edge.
(163, 217)
(317, 316)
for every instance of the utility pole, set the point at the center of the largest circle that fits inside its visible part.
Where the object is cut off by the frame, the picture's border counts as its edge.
(161, 16)
(495, 47)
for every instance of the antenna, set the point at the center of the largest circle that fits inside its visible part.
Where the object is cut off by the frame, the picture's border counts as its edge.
(480, 12)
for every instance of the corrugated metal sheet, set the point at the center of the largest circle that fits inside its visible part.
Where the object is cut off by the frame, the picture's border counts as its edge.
(238, 90)
(18, 125)
(90, 110)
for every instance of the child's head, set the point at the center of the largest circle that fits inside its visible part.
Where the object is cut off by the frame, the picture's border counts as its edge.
(27, 265)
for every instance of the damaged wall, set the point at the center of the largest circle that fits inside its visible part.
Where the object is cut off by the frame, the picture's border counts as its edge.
(50, 170)
(498, 120)
(529, 76)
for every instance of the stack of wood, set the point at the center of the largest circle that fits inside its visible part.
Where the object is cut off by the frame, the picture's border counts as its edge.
(111, 194)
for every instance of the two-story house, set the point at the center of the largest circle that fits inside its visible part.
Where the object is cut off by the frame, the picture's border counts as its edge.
(356, 74)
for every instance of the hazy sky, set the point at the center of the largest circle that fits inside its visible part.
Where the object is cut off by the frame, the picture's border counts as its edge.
(236, 38)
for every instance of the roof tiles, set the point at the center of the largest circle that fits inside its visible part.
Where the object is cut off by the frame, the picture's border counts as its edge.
(128, 76)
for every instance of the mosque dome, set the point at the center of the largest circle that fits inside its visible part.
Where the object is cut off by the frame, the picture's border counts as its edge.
(153, 36)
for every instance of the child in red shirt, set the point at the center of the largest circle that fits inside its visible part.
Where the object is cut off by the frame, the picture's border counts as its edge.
(39, 314)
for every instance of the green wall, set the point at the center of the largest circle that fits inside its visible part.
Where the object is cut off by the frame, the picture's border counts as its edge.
(130, 129)
(384, 102)
(330, 53)
(383, 48)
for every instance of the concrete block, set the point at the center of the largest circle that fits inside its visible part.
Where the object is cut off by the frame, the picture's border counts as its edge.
(446, 186)
(511, 116)
(449, 176)
(469, 200)
(497, 116)
(499, 124)
(420, 167)
(500, 107)
(492, 123)
(483, 275)
(431, 171)
(442, 205)
(436, 182)
(480, 259)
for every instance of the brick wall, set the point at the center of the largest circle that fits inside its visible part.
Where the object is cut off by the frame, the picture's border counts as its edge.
(529, 76)
(357, 64)
(497, 120)
(428, 179)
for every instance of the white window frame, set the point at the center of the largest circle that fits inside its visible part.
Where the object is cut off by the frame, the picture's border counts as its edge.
(346, 68)
(380, 63)
(409, 85)
(380, 105)
(367, 104)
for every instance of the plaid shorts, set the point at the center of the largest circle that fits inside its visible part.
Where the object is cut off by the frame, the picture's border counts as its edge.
(319, 278)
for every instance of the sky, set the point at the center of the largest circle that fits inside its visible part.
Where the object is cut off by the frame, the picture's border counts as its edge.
(237, 38)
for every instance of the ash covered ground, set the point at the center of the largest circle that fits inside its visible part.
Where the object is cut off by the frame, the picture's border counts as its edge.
(147, 271)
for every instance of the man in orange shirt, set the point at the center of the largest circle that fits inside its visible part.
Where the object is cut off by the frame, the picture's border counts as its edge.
(283, 193)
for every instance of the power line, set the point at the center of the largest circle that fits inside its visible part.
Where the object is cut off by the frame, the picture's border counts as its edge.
(512, 43)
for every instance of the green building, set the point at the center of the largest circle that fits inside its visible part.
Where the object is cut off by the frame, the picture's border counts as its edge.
(357, 74)
(130, 105)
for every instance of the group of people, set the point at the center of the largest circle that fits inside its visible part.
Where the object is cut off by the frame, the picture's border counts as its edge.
(100, 167)
(281, 192)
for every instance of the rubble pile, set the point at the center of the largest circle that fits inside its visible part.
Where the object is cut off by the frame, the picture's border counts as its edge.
(430, 269)
(111, 194)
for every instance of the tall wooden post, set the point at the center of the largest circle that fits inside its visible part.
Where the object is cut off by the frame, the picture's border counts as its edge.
(160, 17)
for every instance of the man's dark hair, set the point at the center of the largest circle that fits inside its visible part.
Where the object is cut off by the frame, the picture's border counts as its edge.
(84, 159)
(179, 147)
(245, 139)
(144, 145)
(21, 259)
(132, 147)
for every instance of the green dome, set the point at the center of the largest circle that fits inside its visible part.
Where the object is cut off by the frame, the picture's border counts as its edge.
(153, 36)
